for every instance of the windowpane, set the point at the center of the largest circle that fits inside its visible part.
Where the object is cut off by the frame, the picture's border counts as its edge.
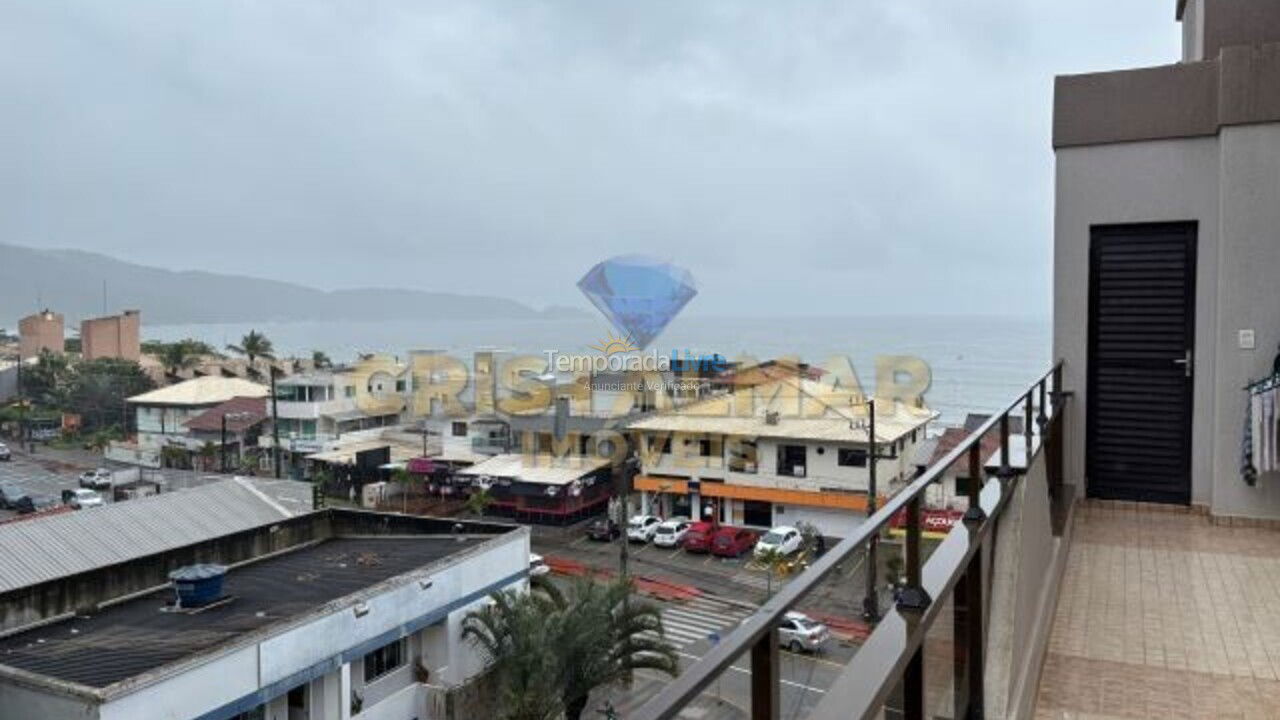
(850, 457)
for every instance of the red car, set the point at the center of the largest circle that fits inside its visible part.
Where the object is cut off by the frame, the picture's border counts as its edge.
(732, 542)
(698, 538)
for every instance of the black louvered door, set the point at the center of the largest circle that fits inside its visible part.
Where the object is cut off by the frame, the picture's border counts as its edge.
(1141, 332)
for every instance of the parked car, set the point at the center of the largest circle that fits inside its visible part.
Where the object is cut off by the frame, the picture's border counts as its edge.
(800, 633)
(81, 498)
(9, 495)
(28, 504)
(784, 538)
(604, 529)
(537, 565)
(671, 532)
(99, 479)
(642, 527)
(697, 538)
(732, 542)
(5, 454)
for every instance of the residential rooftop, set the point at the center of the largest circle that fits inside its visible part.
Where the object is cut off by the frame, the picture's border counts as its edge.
(142, 634)
(210, 390)
(790, 408)
(537, 469)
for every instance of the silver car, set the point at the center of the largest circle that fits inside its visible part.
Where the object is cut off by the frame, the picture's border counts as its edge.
(800, 633)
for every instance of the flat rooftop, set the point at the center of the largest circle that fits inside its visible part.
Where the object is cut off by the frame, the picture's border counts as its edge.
(134, 637)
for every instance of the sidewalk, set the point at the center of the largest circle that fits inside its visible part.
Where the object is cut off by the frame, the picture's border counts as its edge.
(626, 702)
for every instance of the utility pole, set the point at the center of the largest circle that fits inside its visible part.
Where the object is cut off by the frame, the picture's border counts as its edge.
(223, 462)
(624, 475)
(275, 423)
(871, 603)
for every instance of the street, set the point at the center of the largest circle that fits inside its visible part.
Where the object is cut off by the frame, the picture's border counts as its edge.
(50, 471)
(804, 676)
(727, 591)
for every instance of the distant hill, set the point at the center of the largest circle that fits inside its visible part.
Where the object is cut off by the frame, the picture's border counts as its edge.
(70, 282)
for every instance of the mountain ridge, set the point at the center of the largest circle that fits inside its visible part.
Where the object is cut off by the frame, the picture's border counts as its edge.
(70, 281)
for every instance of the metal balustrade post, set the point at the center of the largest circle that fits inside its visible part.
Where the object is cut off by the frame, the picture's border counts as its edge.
(1029, 410)
(970, 639)
(974, 513)
(766, 692)
(1043, 418)
(1006, 466)
(913, 597)
(913, 698)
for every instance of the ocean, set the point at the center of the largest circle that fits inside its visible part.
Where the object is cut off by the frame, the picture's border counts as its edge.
(979, 363)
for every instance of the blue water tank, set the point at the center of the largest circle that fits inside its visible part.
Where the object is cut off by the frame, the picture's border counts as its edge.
(198, 585)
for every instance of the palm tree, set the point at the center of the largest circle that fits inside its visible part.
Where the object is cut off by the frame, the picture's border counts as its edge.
(320, 360)
(253, 346)
(176, 357)
(550, 650)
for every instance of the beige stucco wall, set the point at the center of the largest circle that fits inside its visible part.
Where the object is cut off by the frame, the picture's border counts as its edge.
(1230, 185)
(1248, 298)
(1157, 181)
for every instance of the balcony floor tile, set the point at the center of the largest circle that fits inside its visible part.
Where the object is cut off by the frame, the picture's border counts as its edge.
(1164, 615)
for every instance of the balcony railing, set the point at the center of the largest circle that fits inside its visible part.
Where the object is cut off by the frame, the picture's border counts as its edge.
(886, 678)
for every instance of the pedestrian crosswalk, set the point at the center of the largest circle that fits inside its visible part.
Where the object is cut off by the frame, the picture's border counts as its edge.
(692, 621)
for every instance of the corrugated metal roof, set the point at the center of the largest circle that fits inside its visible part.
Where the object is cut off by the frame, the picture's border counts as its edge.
(53, 547)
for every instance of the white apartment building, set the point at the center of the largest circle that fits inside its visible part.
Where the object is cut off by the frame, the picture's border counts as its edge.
(771, 455)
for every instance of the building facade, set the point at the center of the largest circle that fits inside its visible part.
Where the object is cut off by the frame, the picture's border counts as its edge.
(329, 615)
(115, 336)
(41, 332)
(776, 454)
(1165, 244)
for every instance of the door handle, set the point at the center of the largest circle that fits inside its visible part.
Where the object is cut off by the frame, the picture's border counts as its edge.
(1185, 362)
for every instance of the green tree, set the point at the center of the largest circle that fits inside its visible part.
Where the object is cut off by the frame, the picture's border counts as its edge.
(320, 360)
(775, 562)
(98, 390)
(45, 381)
(404, 479)
(550, 650)
(207, 452)
(478, 501)
(253, 346)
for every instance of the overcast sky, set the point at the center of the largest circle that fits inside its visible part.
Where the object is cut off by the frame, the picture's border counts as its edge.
(807, 157)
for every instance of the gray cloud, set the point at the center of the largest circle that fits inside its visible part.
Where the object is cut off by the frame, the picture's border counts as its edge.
(821, 157)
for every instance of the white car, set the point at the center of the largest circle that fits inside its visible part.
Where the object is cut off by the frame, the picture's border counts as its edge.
(99, 479)
(82, 498)
(784, 538)
(537, 565)
(798, 632)
(641, 528)
(671, 532)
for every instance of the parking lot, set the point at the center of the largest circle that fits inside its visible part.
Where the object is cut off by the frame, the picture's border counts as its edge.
(48, 473)
(740, 578)
(38, 476)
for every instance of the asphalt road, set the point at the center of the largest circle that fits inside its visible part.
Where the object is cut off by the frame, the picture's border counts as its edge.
(49, 472)
(38, 476)
(804, 677)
